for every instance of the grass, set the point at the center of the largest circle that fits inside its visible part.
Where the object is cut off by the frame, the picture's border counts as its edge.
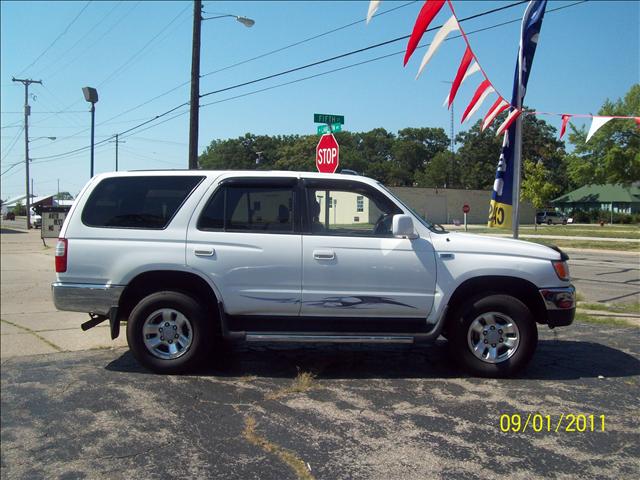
(611, 322)
(294, 462)
(303, 382)
(618, 308)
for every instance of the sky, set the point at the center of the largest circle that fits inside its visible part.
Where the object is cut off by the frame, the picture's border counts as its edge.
(137, 54)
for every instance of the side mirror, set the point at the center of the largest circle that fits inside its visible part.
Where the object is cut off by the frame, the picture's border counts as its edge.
(403, 227)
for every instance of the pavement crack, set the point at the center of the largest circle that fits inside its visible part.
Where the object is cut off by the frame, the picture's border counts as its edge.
(299, 466)
(34, 333)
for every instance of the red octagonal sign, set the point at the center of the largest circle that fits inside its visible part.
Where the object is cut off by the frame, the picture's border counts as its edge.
(327, 154)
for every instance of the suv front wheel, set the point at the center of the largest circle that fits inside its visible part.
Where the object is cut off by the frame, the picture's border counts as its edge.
(493, 335)
(168, 332)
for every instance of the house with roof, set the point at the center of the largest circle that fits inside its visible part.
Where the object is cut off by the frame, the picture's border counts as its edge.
(613, 198)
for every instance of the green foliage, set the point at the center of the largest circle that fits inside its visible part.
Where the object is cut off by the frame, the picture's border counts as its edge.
(478, 155)
(612, 155)
(536, 186)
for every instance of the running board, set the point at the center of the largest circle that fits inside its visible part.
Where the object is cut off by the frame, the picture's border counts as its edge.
(302, 338)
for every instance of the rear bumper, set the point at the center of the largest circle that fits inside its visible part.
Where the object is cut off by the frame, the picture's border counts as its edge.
(84, 297)
(560, 304)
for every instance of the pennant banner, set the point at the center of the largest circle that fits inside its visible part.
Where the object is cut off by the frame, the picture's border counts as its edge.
(596, 123)
(474, 68)
(501, 205)
(482, 91)
(450, 26)
(563, 128)
(462, 69)
(500, 106)
(429, 10)
(373, 8)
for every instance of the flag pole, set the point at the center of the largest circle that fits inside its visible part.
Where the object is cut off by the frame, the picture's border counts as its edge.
(517, 175)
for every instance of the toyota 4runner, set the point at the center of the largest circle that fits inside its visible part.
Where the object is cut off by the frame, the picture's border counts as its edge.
(191, 258)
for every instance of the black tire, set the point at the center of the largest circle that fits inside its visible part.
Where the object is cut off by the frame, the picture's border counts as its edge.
(549, 222)
(201, 331)
(505, 305)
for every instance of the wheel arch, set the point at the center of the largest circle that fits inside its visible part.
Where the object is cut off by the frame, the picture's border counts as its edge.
(148, 282)
(522, 289)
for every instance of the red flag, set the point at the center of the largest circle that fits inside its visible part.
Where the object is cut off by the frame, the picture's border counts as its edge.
(500, 105)
(466, 60)
(480, 90)
(429, 10)
(637, 119)
(515, 113)
(563, 128)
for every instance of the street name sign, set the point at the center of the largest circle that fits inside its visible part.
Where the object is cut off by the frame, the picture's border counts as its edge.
(327, 118)
(334, 127)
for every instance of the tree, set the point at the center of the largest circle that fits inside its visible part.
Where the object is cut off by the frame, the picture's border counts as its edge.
(478, 155)
(436, 173)
(612, 155)
(536, 186)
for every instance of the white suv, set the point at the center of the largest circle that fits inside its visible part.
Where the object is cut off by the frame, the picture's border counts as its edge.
(188, 258)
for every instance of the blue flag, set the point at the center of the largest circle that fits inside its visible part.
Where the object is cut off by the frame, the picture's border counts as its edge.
(501, 206)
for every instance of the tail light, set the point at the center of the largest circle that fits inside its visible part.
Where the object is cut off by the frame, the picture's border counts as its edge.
(562, 270)
(62, 249)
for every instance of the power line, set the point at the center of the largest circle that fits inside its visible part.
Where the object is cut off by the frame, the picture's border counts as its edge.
(313, 76)
(57, 38)
(239, 63)
(300, 42)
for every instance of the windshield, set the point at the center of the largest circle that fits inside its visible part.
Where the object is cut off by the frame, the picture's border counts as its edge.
(423, 221)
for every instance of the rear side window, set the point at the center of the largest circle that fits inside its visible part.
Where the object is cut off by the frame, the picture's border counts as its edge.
(250, 208)
(137, 202)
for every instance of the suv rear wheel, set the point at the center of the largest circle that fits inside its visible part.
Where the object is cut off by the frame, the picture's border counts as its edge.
(493, 335)
(168, 332)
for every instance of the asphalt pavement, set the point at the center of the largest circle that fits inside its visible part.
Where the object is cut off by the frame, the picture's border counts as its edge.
(369, 412)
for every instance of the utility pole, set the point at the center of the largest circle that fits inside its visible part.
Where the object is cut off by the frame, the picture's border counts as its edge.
(195, 86)
(117, 142)
(27, 111)
(58, 197)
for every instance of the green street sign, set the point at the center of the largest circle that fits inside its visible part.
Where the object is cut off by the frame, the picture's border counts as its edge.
(326, 118)
(334, 127)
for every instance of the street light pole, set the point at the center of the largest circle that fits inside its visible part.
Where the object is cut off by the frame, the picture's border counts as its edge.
(194, 104)
(91, 95)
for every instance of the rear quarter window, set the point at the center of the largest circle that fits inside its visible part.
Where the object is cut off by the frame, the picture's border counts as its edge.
(148, 202)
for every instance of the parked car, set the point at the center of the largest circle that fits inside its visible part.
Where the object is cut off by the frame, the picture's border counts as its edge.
(9, 216)
(192, 258)
(550, 217)
(36, 219)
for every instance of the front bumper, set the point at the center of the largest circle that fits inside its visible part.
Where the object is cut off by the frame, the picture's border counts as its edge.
(84, 297)
(560, 304)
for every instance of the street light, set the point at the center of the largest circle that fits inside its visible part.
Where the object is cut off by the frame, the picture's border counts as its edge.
(41, 138)
(91, 96)
(195, 76)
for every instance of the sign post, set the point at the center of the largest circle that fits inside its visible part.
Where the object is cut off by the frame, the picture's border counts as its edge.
(465, 209)
(327, 154)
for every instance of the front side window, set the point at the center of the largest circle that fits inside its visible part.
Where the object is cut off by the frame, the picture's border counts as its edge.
(356, 211)
(144, 202)
(250, 208)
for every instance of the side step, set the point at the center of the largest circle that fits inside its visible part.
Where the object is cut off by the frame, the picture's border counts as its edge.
(302, 338)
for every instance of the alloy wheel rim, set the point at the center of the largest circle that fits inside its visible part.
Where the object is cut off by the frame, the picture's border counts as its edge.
(167, 334)
(493, 337)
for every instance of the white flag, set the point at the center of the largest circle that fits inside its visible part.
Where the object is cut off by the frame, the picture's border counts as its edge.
(450, 26)
(373, 8)
(596, 123)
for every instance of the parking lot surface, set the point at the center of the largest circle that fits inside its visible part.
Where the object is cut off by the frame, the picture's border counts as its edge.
(364, 412)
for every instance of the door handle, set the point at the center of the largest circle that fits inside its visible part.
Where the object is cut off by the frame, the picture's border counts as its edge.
(324, 254)
(447, 256)
(204, 252)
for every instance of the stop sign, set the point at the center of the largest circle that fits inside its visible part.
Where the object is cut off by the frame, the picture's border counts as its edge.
(466, 208)
(327, 154)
